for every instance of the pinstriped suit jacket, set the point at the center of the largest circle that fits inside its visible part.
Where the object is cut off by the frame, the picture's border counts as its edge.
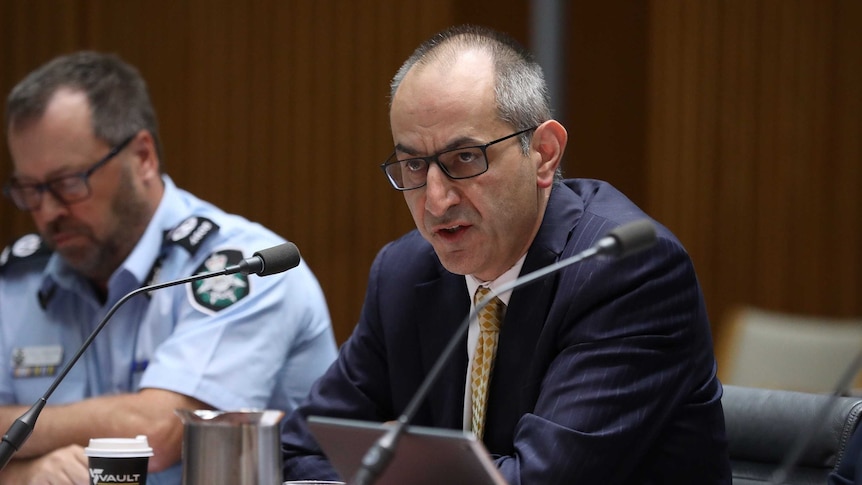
(604, 374)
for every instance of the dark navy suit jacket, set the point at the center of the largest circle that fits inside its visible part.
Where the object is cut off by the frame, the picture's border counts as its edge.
(849, 471)
(604, 373)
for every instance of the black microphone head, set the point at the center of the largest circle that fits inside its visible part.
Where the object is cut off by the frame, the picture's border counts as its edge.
(278, 259)
(628, 239)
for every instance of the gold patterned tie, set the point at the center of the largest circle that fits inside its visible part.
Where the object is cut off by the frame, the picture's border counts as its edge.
(490, 319)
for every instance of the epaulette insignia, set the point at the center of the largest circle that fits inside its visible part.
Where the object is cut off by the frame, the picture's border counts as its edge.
(27, 247)
(192, 232)
(219, 292)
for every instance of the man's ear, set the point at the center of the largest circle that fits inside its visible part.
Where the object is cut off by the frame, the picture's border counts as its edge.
(549, 140)
(144, 147)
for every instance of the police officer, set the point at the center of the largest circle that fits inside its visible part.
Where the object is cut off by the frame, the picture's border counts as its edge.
(83, 138)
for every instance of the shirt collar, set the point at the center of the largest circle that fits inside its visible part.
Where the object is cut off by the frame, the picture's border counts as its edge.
(509, 276)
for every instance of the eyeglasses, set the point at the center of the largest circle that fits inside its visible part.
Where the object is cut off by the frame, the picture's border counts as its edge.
(458, 163)
(68, 189)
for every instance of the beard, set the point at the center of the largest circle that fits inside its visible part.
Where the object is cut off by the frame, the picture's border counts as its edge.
(98, 257)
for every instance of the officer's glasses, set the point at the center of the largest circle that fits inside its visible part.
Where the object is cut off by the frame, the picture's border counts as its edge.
(67, 189)
(458, 163)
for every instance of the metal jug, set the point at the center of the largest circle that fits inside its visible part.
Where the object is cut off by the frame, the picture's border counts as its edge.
(231, 447)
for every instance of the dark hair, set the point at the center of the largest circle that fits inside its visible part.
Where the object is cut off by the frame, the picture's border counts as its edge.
(117, 94)
(520, 90)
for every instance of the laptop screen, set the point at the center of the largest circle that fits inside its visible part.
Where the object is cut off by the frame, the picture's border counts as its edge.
(424, 456)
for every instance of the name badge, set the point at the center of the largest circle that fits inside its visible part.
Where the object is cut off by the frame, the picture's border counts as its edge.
(36, 361)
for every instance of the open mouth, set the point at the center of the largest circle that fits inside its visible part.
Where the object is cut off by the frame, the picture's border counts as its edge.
(452, 233)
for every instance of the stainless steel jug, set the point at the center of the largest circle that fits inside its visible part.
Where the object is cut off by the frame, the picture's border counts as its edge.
(231, 447)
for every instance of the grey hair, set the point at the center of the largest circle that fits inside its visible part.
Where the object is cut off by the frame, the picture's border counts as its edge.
(117, 94)
(520, 90)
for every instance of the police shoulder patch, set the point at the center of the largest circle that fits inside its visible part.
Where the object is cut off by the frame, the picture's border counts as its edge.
(219, 292)
(27, 247)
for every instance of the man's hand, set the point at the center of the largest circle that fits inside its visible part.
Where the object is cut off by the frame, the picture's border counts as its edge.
(63, 466)
(148, 412)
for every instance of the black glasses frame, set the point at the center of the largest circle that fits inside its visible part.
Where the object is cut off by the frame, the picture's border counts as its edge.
(435, 159)
(53, 186)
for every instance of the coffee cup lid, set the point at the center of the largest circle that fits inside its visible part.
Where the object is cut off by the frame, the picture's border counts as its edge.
(119, 447)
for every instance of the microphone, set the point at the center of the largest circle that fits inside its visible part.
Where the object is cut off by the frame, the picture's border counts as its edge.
(276, 259)
(265, 262)
(622, 241)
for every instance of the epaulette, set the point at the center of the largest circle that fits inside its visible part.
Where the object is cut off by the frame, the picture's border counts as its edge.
(27, 248)
(191, 233)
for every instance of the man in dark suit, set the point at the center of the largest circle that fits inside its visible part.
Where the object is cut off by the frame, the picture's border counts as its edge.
(604, 372)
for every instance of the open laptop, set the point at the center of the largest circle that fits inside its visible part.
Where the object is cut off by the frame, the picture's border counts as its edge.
(424, 456)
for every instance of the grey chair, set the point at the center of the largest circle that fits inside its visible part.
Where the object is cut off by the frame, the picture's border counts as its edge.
(764, 425)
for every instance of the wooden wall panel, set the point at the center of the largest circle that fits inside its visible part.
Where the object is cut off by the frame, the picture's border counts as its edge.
(737, 123)
(24, 43)
(277, 110)
(605, 66)
(753, 133)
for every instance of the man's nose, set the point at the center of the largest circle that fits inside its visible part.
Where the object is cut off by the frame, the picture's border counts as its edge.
(440, 192)
(50, 207)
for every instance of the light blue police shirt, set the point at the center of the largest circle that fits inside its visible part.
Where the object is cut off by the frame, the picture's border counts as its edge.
(233, 341)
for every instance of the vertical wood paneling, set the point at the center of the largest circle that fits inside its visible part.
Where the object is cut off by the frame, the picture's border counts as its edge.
(26, 44)
(736, 122)
(276, 110)
(773, 238)
(753, 148)
(735, 184)
(662, 112)
(605, 69)
(845, 156)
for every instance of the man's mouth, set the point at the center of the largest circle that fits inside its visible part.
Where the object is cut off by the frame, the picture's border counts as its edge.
(64, 236)
(452, 233)
(59, 238)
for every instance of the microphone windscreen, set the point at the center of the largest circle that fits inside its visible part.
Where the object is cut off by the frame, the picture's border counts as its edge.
(278, 259)
(633, 237)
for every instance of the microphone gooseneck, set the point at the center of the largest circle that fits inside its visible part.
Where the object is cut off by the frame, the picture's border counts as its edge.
(269, 261)
(622, 241)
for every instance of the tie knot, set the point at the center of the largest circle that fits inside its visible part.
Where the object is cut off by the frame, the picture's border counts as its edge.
(491, 316)
(481, 292)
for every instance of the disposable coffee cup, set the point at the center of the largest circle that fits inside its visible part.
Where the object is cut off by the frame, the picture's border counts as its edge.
(116, 461)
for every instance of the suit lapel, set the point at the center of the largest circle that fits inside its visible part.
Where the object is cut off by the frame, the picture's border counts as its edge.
(524, 321)
(445, 305)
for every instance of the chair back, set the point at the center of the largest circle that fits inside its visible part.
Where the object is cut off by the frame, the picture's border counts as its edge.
(765, 425)
(766, 349)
